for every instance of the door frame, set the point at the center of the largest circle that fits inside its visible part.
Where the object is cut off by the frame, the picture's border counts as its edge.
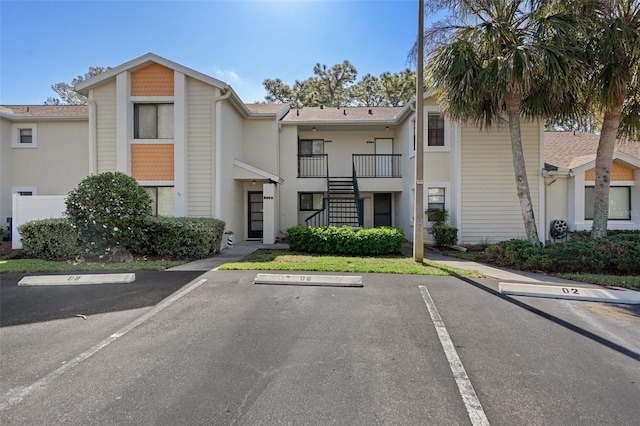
(254, 234)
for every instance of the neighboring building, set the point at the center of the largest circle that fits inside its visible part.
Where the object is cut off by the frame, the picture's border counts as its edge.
(201, 152)
(569, 174)
(43, 151)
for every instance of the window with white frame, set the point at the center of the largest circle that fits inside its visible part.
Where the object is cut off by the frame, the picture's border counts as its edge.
(153, 121)
(25, 135)
(435, 200)
(162, 203)
(435, 129)
(619, 202)
(311, 146)
(310, 201)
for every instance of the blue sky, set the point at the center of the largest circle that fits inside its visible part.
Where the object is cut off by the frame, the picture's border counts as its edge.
(239, 42)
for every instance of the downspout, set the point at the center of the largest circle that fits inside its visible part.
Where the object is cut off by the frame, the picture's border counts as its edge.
(218, 151)
(93, 142)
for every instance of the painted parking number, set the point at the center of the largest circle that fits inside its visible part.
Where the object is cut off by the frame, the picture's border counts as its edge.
(570, 290)
(74, 278)
(305, 278)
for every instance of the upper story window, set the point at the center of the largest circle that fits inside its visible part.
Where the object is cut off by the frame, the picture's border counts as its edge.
(153, 121)
(24, 135)
(435, 129)
(311, 147)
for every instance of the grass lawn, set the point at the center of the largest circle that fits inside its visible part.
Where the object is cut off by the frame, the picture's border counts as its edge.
(628, 281)
(282, 260)
(24, 266)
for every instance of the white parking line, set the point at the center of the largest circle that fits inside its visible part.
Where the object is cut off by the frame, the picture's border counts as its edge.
(14, 396)
(468, 394)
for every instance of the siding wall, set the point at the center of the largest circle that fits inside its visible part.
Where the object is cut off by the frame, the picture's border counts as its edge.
(105, 98)
(490, 205)
(200, 149)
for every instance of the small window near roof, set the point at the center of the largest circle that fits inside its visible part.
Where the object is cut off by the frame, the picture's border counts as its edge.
(24, 135)
(435, 129)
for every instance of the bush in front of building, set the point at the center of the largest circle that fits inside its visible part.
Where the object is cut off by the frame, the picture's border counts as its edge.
(616, 254)
(345, 240)
(108, 211)
(50, 239)
(183, 237)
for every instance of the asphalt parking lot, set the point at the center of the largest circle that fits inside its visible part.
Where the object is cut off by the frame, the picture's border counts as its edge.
(222, 350)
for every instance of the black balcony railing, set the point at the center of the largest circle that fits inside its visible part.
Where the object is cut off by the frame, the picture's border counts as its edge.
(377, 165)
(312, 165)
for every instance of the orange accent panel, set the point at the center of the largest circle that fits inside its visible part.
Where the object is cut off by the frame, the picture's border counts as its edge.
(153, 80)
(618, 173)
(152, 161)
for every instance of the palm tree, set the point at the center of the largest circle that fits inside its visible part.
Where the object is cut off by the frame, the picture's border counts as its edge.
(494, 61)
(614, 90)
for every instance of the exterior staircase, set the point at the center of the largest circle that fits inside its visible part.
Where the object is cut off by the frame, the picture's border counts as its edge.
(342, 203)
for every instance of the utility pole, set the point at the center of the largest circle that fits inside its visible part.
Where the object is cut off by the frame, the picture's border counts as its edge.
(418, 202)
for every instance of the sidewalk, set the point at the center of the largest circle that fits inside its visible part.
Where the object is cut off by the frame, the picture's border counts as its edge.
(244, 248)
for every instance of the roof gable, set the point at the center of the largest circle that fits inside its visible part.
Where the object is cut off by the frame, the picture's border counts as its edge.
(569, 150)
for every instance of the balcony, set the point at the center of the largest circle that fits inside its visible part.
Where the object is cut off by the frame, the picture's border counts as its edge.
(366, 166)
(377, 165)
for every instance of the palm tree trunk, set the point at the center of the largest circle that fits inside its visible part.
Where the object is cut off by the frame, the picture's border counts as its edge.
(604, 162)
(512, 102)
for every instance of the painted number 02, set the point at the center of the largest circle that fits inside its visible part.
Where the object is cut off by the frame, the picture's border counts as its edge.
(570, 290)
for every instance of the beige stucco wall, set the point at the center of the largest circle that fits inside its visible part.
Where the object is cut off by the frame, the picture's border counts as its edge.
(105, 104)
(490, 207)
(55, 167)
(48, 167)
(260, 148)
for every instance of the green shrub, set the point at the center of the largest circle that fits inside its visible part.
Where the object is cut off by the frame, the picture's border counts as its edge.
(444, 235)
(514, 253)
(181, 237)
(49, 239)
(345, 240)
(577, 256)
(108, 210)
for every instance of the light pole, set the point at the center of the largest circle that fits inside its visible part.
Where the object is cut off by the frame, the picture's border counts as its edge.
(418, 202)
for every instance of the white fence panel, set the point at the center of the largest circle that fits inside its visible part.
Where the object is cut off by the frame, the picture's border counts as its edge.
(28, 208)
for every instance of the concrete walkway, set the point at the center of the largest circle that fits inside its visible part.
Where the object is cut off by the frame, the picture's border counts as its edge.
(244, 248)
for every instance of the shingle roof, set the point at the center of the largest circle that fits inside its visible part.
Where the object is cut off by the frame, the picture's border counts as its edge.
(346, 114)
(567, 150)
(48, 111)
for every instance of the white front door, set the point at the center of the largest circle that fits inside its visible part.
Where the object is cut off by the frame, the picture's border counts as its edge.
(384, 160)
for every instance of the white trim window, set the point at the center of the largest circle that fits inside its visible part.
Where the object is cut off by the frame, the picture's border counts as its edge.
(24, 135)
(153, 121)
(310, 201)
(619, 202)
(435, 129)
(162, 200)
(436, 199)
(25, 191)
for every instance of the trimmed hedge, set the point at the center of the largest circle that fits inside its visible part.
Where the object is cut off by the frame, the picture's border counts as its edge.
(345, 240)
(615, 254)
(49, 239)
(186, 237)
